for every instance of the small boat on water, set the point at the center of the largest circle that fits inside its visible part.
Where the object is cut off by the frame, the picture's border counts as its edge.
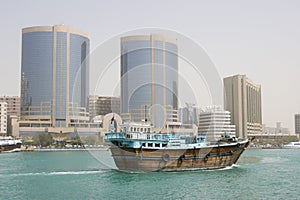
(292, 145)
(10, 144)
(137, 148)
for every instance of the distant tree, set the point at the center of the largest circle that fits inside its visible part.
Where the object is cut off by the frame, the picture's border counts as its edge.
(46, 140)
(60, 143)
(76, 140)
(90, 140)
(43, 140)
(36, 140)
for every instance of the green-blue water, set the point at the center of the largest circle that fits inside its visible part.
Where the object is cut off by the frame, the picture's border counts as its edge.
(260, 174)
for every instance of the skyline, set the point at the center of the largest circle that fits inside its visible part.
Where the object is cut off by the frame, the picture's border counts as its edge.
(258, 39)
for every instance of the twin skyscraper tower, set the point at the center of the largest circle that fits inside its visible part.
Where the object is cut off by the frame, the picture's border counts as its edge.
(149, 79)
(55, 79)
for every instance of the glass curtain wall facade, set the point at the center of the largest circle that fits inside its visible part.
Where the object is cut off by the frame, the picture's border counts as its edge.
(54, 82)
(149, 78)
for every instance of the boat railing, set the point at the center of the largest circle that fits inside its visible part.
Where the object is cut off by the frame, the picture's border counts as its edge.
(136, 135)
(115, 135)
(146, 136)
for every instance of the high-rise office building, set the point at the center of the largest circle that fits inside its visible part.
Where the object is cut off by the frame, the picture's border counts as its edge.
(278, 127)
(242, 98)
(297, 124)
(54, 76)
(214, 122)
(102, 105)
(149, 78)
(189, 114)
(13, 105)
(3, 118)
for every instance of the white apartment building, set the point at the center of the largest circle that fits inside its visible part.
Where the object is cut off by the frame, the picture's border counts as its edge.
(13, 104)
(3, 118)
(214, 122)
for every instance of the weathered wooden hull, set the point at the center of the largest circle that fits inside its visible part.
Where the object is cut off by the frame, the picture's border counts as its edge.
(176, 159)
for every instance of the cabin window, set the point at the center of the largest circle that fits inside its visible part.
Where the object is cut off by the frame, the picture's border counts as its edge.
(143, 144)
(148, 130)
(134, 129)
(148, 137)
(157, 145)
(131, 129)
(164, 145)
(150, 145)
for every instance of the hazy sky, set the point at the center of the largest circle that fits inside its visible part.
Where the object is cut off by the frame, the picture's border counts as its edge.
(258, 38)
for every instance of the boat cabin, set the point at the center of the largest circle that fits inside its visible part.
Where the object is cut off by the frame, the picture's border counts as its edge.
(137, 128)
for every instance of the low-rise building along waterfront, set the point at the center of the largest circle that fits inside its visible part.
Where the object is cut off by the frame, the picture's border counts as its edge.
(214, 122)
(102, 105)
(279, 129)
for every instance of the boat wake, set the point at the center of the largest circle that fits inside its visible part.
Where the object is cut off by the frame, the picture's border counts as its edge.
(230, 167)
(55, 173)
(225, 168)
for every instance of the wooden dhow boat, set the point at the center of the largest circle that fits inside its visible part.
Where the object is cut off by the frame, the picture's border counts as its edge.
(136, 148)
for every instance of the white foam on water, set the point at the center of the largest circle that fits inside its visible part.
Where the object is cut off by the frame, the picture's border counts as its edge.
(226, 168)
(204, 169)
(75, 172)
(54, 173)
(236, 165)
